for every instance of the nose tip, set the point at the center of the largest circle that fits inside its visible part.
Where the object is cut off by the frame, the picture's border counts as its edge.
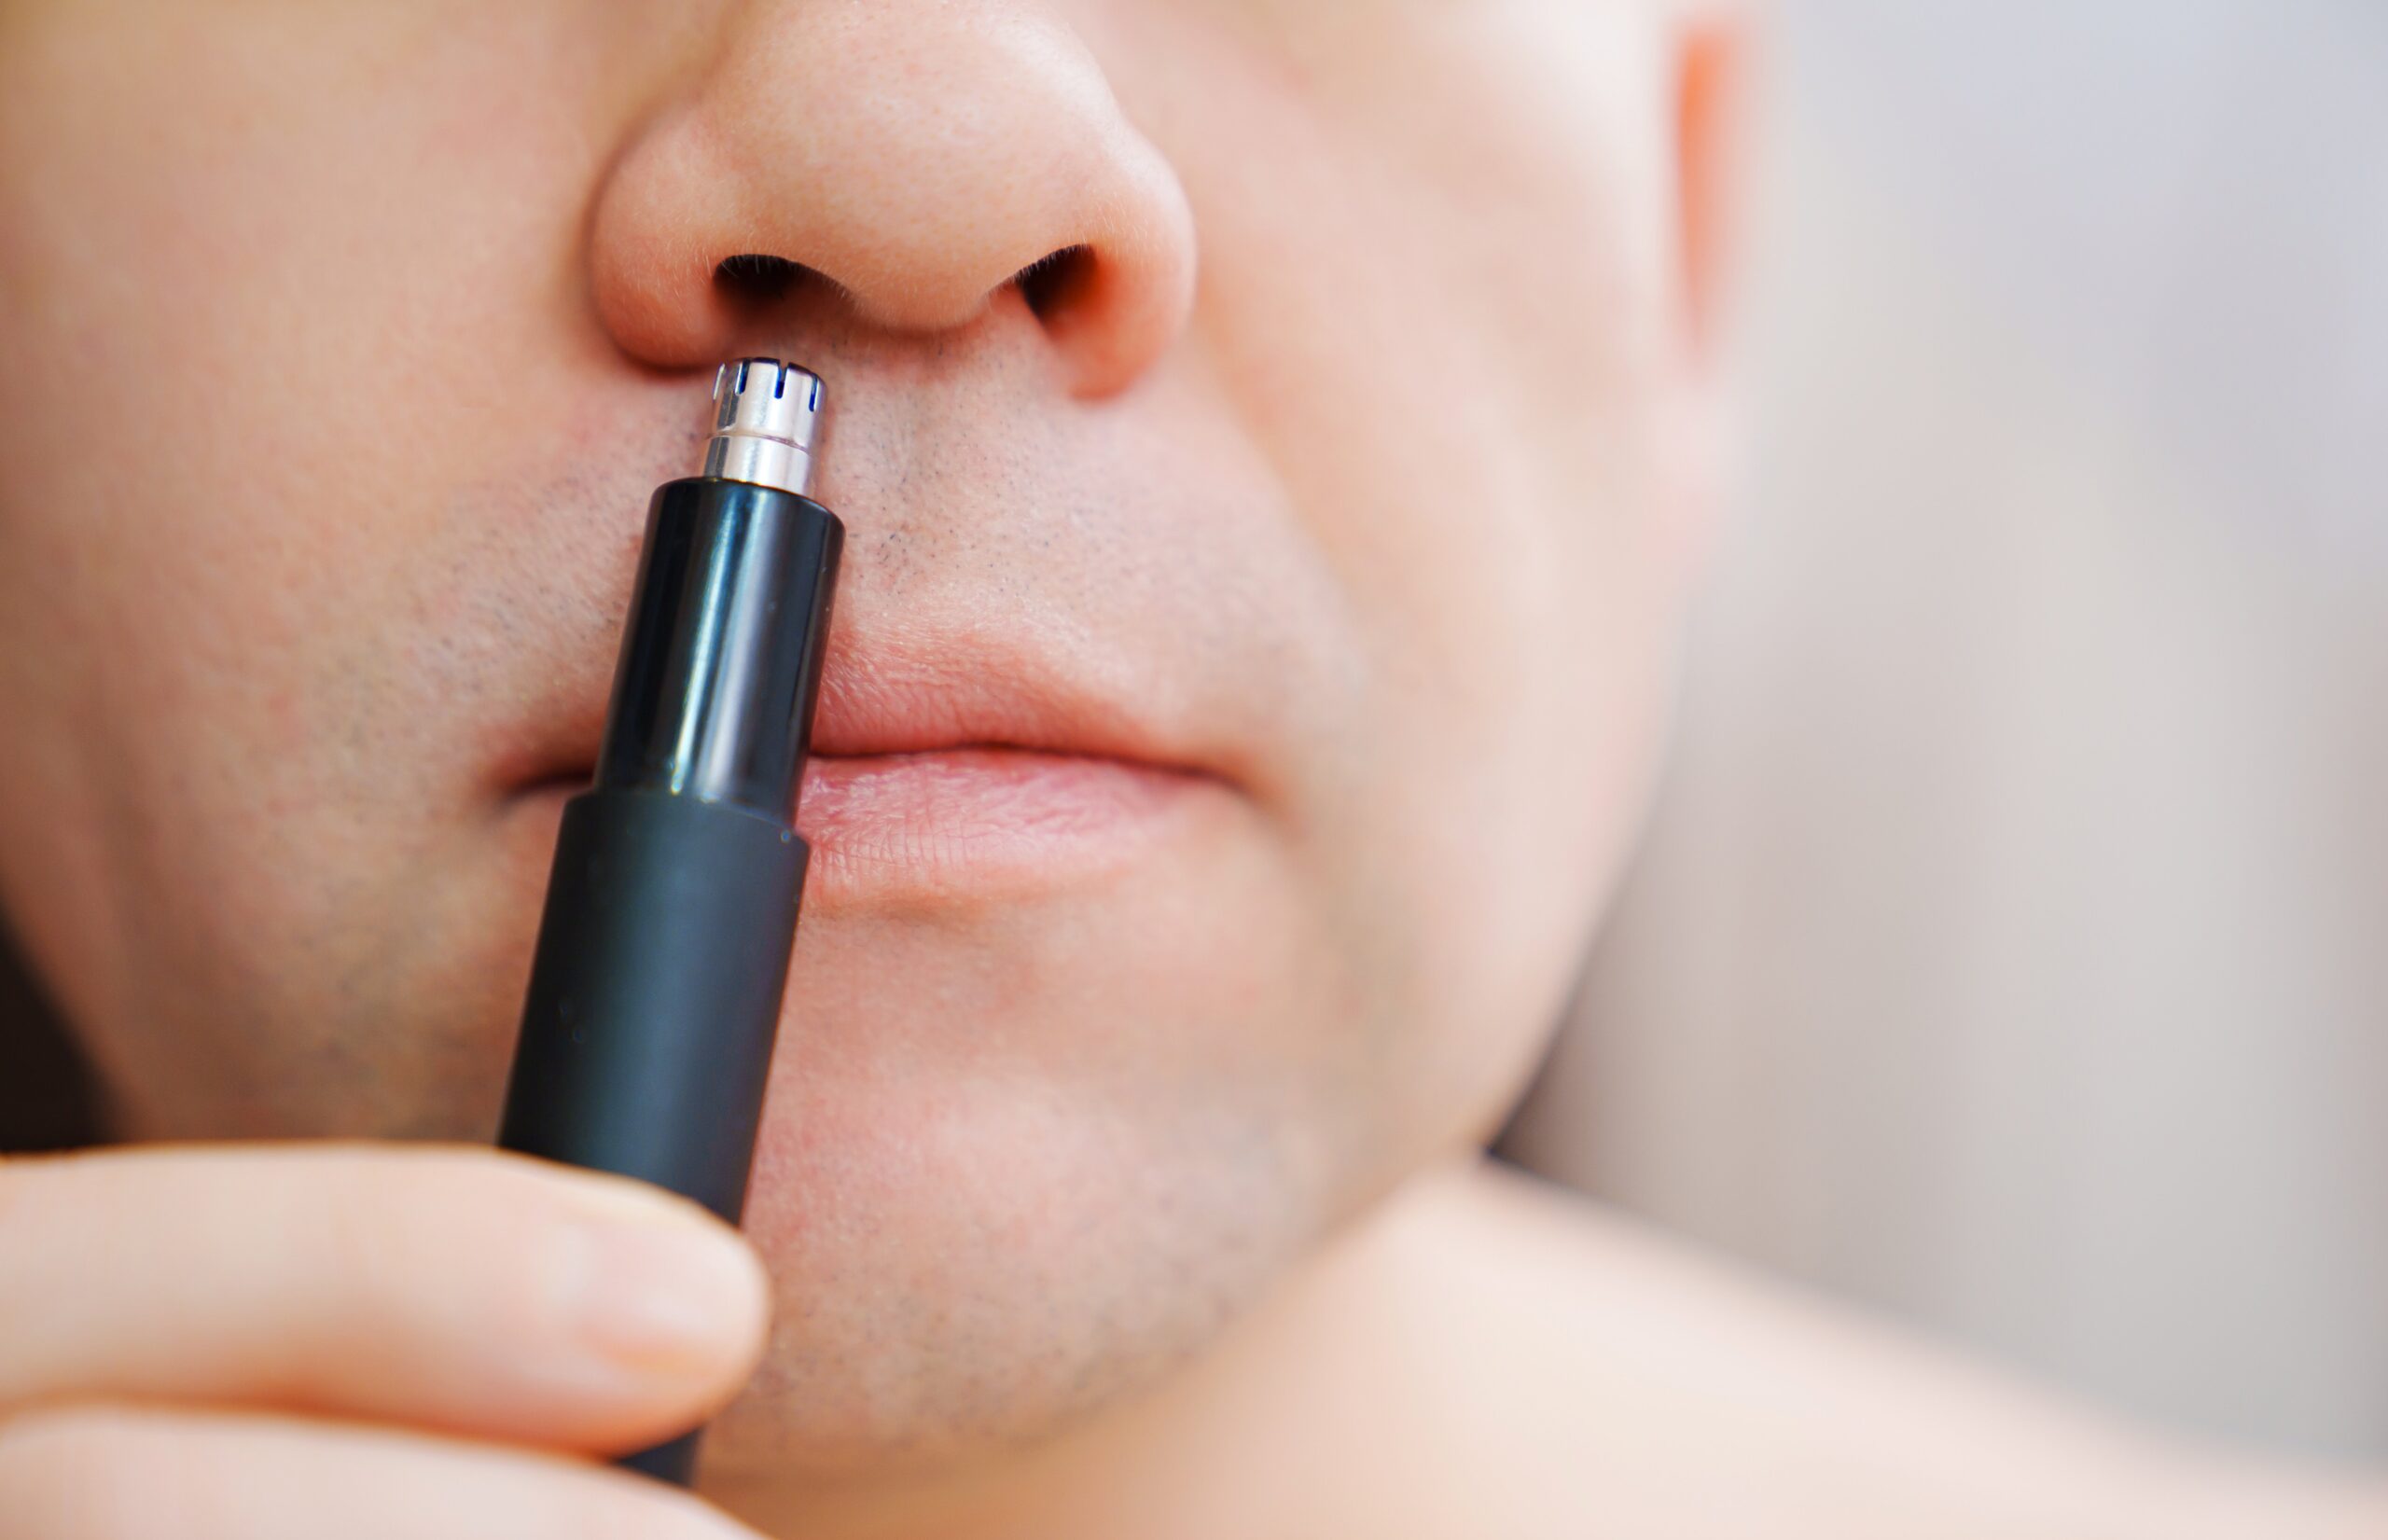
(921, 157)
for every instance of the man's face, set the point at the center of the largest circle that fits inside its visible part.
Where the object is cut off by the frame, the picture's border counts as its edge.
(1248, 658)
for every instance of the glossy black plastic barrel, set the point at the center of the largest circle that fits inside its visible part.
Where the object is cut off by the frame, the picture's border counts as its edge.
(655, 991)
(721, 658)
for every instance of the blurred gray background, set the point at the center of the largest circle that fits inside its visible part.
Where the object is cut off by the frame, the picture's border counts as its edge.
(2011, 950)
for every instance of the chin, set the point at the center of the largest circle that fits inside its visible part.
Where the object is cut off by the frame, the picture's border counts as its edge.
(1020, 1158)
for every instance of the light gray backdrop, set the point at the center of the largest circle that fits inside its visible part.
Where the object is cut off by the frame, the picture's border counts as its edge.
(2011, 948)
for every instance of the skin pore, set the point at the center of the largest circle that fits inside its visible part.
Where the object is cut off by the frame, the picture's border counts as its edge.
(1319, 511)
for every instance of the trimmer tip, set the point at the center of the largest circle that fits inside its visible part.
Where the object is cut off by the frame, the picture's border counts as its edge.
(765, 413)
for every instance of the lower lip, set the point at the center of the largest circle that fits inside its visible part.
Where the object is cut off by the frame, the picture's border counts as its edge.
(975, 823)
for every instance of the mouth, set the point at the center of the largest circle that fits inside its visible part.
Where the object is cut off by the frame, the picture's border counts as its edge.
(949, 770)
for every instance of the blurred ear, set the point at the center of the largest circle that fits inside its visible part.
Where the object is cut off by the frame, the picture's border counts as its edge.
(1711, 52)
(1708, 43)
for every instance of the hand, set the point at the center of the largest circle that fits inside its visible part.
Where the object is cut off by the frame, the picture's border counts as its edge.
(255, 1342)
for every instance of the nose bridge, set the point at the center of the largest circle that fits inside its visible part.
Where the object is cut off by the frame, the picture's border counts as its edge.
(920, 154)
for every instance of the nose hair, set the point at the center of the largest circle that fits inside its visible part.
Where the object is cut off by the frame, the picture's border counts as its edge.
(920, 155)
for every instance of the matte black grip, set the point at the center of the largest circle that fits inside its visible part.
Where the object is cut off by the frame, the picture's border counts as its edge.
(655, 992)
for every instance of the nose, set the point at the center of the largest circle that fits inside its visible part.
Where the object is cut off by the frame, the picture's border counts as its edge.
(926, 158)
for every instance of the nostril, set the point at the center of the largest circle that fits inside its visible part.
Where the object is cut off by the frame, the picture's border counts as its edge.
(1053, 279)
(753, 280)
(756, 278)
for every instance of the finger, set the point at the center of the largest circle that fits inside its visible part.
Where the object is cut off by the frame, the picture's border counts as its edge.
(460, 1289)
(124, 1474)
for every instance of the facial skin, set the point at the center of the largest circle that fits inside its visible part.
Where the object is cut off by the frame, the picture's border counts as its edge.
(1304, 560)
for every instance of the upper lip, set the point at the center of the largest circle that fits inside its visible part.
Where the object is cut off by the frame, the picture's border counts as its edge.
(934, 688)
(927, 691)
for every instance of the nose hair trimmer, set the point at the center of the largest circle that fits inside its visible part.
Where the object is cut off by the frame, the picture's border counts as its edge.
(671, 908)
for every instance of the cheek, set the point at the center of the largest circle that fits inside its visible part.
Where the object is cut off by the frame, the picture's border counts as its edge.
(231, 375)
(1435, 283)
